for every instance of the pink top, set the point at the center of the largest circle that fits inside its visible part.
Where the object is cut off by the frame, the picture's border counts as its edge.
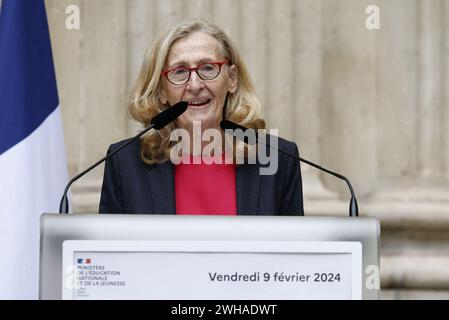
(205, 189)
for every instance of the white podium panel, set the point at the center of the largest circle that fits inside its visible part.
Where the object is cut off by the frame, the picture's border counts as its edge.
(204, 270)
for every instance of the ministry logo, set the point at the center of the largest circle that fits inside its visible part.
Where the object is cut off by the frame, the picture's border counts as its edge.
(84, 261)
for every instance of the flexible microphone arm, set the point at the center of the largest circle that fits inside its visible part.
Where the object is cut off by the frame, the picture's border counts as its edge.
(158, 122)
(64, 205)
(353, 206)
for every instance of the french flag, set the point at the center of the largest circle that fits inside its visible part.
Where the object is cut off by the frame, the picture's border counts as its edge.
(33, 167)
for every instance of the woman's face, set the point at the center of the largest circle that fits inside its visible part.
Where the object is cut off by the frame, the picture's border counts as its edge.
(206, 98)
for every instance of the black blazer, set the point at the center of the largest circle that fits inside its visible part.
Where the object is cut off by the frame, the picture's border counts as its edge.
(132, 186)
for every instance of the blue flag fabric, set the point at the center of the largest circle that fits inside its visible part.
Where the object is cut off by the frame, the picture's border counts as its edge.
(28, 93)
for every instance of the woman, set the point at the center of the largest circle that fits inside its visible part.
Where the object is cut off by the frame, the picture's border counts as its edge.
(196, 62)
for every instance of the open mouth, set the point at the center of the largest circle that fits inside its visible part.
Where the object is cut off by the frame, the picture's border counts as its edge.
(199, 102)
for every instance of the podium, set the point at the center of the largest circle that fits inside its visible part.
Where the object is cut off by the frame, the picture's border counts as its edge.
(91, 256)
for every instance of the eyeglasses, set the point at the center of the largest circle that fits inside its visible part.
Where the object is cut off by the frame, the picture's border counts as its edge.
(206, 71)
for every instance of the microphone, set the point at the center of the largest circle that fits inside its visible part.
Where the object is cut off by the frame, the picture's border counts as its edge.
(158, 122)
(238, 132)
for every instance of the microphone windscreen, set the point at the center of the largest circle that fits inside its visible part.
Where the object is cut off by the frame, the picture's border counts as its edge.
(168, 115)
(229, 125)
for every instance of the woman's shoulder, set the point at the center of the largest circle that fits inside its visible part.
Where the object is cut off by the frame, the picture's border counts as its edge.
(287, 145)
(131, 145)
(277, 142)
(129, 150)
(130, 154)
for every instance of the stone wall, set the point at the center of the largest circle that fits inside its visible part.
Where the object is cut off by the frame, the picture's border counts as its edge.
(372, 104)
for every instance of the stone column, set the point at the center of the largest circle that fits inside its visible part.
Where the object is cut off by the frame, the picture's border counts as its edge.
(225, 14)
(430, 115)
(278, 93)
(252, 44)
(306, 104)
(397, 76)
(141, 25)
(348, 122)
(445, 88)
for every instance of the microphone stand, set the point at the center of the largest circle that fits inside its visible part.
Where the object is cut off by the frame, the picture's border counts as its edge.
(229, 125)
(158, 122)
(64, 205)
(353, 206)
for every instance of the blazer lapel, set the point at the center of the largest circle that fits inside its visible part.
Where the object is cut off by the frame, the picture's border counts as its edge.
(247, 180)
(162, 188)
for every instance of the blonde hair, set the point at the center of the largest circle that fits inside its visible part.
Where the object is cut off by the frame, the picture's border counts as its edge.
(241, 107)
